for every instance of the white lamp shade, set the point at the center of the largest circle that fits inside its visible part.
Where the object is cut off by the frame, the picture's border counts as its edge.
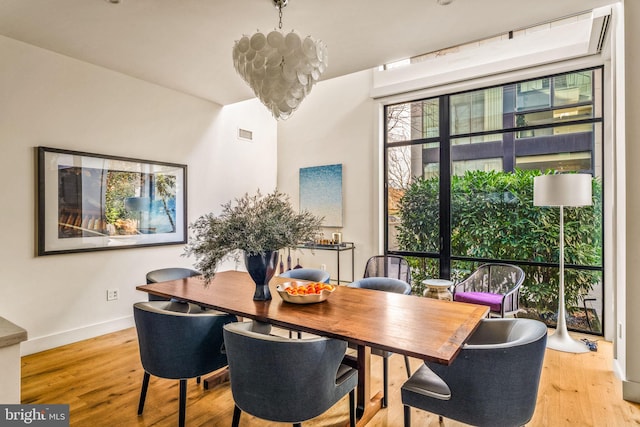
(562, 190)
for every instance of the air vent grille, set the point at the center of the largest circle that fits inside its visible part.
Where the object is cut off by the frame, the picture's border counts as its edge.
(247, 135)
(603, 32)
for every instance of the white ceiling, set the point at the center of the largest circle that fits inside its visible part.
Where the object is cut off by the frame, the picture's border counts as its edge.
(186, 44)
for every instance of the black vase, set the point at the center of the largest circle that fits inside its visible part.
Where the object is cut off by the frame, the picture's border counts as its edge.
(261, 268)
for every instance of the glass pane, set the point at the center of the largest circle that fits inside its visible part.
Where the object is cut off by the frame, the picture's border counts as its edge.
(460, 270)
(413, 198)
(422, 268)
(477, 111)
(462, 166)
(477, 139)
(412, 120)
(572, 88)
(487, 215)
(554, 116)
(597, 92)
(583, 297)
(558, 130)
(492, 215)
(532, 95)
(431, 170)
(403, 164)
(468, 155)
(562, 162)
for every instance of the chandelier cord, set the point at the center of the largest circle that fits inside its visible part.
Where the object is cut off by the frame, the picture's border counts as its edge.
(280, 27)
(280, 4)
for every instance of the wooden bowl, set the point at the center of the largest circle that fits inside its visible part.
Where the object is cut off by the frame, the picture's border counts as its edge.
(306, 298)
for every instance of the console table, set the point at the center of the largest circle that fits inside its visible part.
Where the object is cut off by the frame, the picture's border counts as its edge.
(338, 248)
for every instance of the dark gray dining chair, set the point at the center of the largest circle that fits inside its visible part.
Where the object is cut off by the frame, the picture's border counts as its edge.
(178, 340)
(311, 274)
(166, 274)
(386, 284)
(286, 380)
(395, 266)
(492, 382)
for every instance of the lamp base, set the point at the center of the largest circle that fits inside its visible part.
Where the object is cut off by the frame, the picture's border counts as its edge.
(562, 341)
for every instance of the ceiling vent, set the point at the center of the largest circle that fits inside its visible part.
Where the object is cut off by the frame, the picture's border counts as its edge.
(245, 135)
(599, 26)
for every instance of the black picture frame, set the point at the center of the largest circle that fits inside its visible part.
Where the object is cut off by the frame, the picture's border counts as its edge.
(94, 202)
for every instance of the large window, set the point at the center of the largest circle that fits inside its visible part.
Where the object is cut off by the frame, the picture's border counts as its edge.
(459, 183)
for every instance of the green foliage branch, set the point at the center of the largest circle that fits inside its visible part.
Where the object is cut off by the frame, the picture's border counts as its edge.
(253, 224)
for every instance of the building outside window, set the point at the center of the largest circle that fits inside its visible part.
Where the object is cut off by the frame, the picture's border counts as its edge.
(459, 174)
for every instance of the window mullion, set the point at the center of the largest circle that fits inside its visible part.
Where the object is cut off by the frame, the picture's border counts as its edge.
(445, 189)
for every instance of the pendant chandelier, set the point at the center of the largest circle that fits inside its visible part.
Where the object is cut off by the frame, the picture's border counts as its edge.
(280, 68)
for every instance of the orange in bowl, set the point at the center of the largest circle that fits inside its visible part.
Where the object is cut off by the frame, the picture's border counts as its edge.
(305, 292)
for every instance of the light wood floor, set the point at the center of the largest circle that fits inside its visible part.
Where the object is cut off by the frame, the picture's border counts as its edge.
(100, 379)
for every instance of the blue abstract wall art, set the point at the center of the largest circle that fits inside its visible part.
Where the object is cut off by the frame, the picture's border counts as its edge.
(321, 193)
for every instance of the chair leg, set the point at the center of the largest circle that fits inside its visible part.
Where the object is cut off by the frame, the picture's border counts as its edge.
(407, 365)
(385, 380)
(298, 333)
(183, 402)
(198, 380)
(441, 420)
(143, 392)
(236, 416)
(352, 408)
(407, 416)
(297, 424)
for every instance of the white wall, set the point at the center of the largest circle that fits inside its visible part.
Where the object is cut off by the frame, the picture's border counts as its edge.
(629, 289)
(335, 124)
(52, 100)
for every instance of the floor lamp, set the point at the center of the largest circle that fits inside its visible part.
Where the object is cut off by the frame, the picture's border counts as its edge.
(562, 190)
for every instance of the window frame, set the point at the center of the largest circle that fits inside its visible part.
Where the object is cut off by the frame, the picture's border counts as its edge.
(445, 158)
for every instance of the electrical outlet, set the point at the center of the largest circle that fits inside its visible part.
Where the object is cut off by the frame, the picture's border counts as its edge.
(112, 294)
(323, 267)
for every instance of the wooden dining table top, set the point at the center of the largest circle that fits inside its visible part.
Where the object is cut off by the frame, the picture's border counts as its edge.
(424, 328)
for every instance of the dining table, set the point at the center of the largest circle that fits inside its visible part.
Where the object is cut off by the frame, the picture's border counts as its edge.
(424, 328)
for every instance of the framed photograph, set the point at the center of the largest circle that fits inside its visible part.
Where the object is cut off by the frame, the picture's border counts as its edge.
(321, 193)
(93, 202)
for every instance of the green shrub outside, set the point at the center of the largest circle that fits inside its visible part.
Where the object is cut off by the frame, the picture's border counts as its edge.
(493, 217)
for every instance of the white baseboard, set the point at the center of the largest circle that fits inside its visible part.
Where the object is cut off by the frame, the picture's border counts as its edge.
(38, 344)
(631, 391)
(617, 369)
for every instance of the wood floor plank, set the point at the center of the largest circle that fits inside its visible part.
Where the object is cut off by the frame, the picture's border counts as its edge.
(100, 379)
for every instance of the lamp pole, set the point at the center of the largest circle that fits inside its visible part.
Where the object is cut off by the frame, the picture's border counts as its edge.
(563, 190)
(561, 340)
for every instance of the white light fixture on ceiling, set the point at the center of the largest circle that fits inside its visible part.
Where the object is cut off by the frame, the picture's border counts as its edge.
(280, 68)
